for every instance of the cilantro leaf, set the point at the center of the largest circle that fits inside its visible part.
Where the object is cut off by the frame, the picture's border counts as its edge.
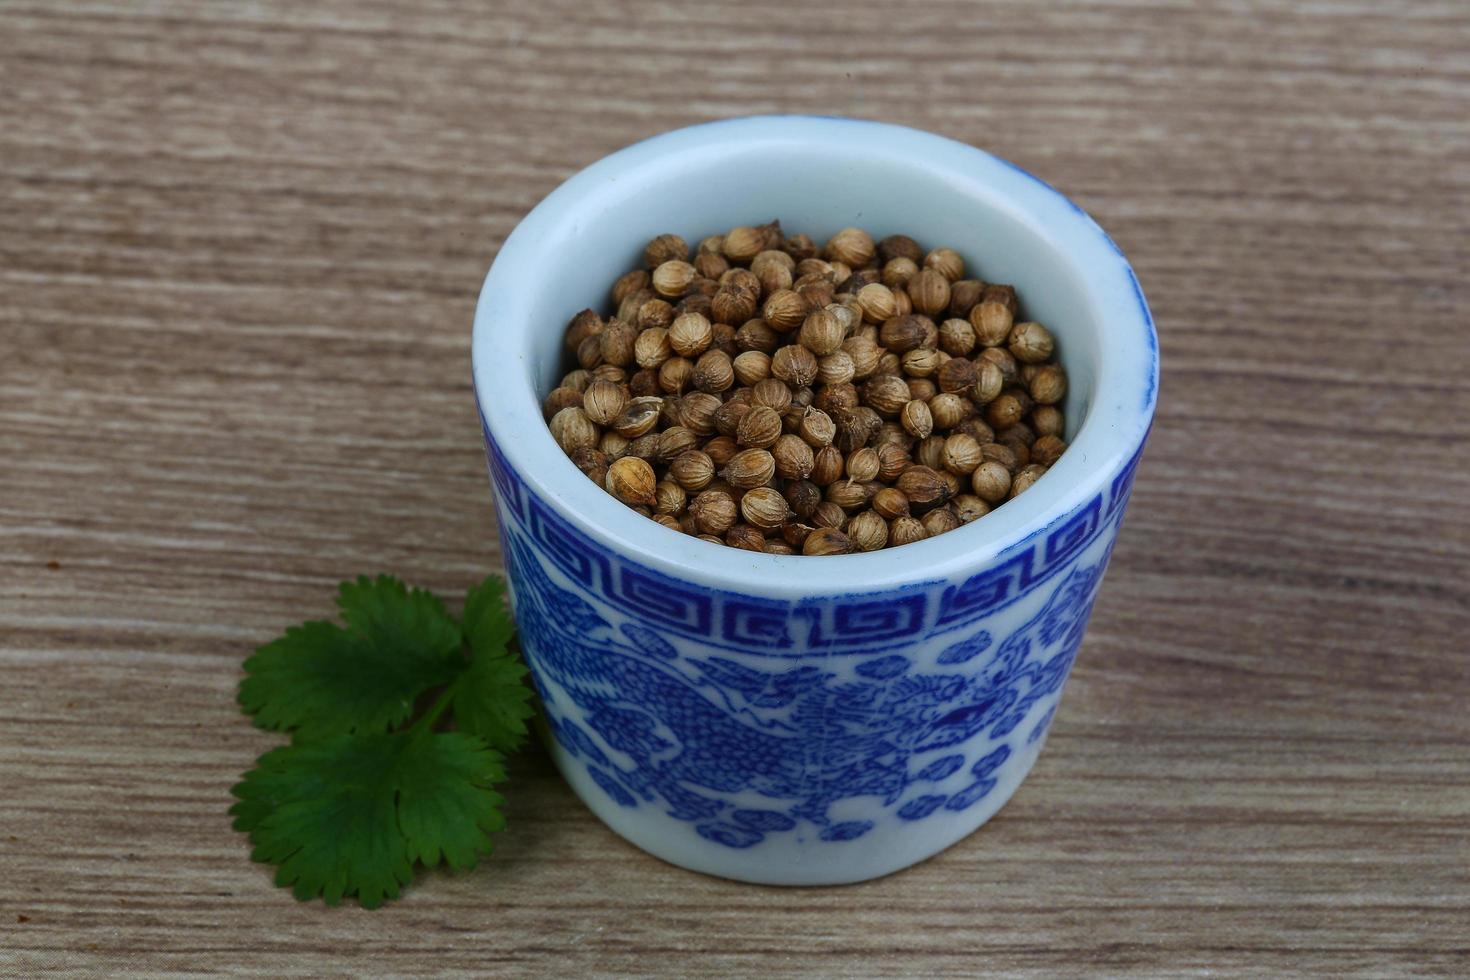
(321, 679)
(359, 796)
(446, 806)
(350, 814)
(398, 619)
(487, 622)
(492, 699)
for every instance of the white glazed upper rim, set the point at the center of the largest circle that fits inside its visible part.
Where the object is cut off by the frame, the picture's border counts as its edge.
(1116, 423)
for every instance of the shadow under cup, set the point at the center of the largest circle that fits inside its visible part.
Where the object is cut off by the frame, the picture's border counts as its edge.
(795, 720)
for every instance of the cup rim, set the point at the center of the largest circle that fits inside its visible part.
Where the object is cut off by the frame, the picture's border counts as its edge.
(1117, 421)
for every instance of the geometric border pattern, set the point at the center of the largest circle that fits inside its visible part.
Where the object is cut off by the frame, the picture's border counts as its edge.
(856, 624)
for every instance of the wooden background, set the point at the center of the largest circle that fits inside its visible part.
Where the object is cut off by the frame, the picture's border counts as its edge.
(240, 245)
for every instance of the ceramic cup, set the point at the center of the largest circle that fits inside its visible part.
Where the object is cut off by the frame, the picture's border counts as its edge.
(785, 719)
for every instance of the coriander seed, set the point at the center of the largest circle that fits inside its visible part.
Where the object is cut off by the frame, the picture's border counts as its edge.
(572, 429)
(746, 538)
(561, 398)
(784, 310)
(795, 365)
(867, 531)
(765, 508)
(906, 530)
(826, 541)
(897, 272)
(1031, 343)
(938, 521)
(991, 481)
(755, 395)
(1046, 419)
(1048, 385)
(916, 419)
(759, 427)
(1026, 479)
(929, 292)
(750, 468)
(794, 458)
(604, 401)
(631, 480)
(714, 512)
(690, 334)
(692, 470)
(923, 486)
(862, 465)
(968, 508)
(946, 262)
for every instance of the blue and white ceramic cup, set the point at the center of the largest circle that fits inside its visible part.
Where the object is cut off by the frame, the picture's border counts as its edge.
(786, 719)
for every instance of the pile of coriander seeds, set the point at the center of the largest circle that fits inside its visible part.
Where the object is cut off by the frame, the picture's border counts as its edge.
(771, 395)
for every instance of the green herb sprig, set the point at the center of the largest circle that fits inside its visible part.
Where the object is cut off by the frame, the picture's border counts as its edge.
(366, 790)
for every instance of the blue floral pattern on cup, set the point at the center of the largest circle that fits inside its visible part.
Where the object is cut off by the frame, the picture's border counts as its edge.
(743, 716)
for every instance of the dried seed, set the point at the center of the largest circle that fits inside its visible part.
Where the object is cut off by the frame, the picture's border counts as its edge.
(863, 465)
(835, 369)
(765, 508)
(1047, 450)
(828, 514)
(1025, 479)
(713, 372)
(721, 450)
(561, 398)
(692, 470)
(759, 427)
(674, 442)
(897, 272)
(961, 454)
(669, 497)
(1031, 343)
(923, 486)
(916, 419)
(697, 412)
(890, 503)
(968, 508)
(795, 365)
(1048, 385)
(1047, 420)
(690, 334)
(939, 520)
(929, 292)
(631, 480)
(949, 409)
(746, 538)
(851, 246)
(674, 374)
(963, 296)
(827, 466)
(794, 458)
(991, 481)
(628, 284)
(1008, 408)
(906, 530)
(751, 367)
(604, 401)
(714, 512)
(673, 278)
(868, 531)
(803, 496)
(750, 468)
(784, 310)
(572, 429)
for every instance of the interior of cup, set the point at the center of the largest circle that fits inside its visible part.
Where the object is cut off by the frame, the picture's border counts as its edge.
(817, 176)
(812, 192)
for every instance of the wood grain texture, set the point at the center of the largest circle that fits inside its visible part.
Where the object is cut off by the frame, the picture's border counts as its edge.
(239, 250)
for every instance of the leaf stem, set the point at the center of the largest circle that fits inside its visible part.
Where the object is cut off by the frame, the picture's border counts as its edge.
(426, 721)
